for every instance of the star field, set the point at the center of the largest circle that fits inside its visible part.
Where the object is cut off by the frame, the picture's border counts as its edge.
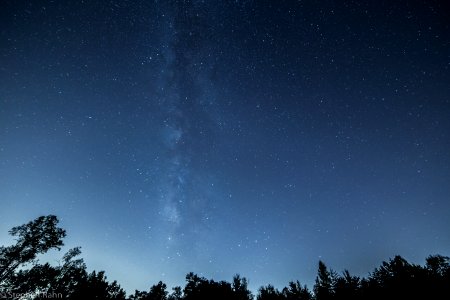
(223, 137)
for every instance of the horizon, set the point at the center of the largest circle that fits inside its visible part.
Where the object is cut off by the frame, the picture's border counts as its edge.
(54, 257)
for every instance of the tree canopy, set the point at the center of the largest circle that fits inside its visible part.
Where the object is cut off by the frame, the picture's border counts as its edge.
(23, 276)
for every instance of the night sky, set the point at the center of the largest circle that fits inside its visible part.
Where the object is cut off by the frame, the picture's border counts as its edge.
(251, 137)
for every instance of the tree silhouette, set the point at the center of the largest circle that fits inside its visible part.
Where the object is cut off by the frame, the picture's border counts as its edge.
(69, 279)
(240, 288)
(138, 295)
(269, 292)
(21, 273)
(193, 286)
(33, 238)
(323, 288)
(396, 278)
(158, 292)
(96, 286)
(177, 294)
(438, 265)
(295, 291)
(347, 286)
(438, 276)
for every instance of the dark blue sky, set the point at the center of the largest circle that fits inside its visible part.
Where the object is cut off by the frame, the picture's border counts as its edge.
(251, 137)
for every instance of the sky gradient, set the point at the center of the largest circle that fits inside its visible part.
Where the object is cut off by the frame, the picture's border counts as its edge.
(251, 137)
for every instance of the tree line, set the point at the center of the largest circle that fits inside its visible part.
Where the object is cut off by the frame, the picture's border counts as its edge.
(23, 277)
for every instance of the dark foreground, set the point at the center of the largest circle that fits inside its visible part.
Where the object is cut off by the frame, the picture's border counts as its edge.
(22, 276)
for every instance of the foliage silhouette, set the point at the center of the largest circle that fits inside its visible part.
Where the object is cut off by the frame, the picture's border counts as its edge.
(295, 291)
(21, 273)
(323, 289)
(157, 292)
(33, 238)
(240, 288)
(177, 294)
(269, 292)
(346, 286)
